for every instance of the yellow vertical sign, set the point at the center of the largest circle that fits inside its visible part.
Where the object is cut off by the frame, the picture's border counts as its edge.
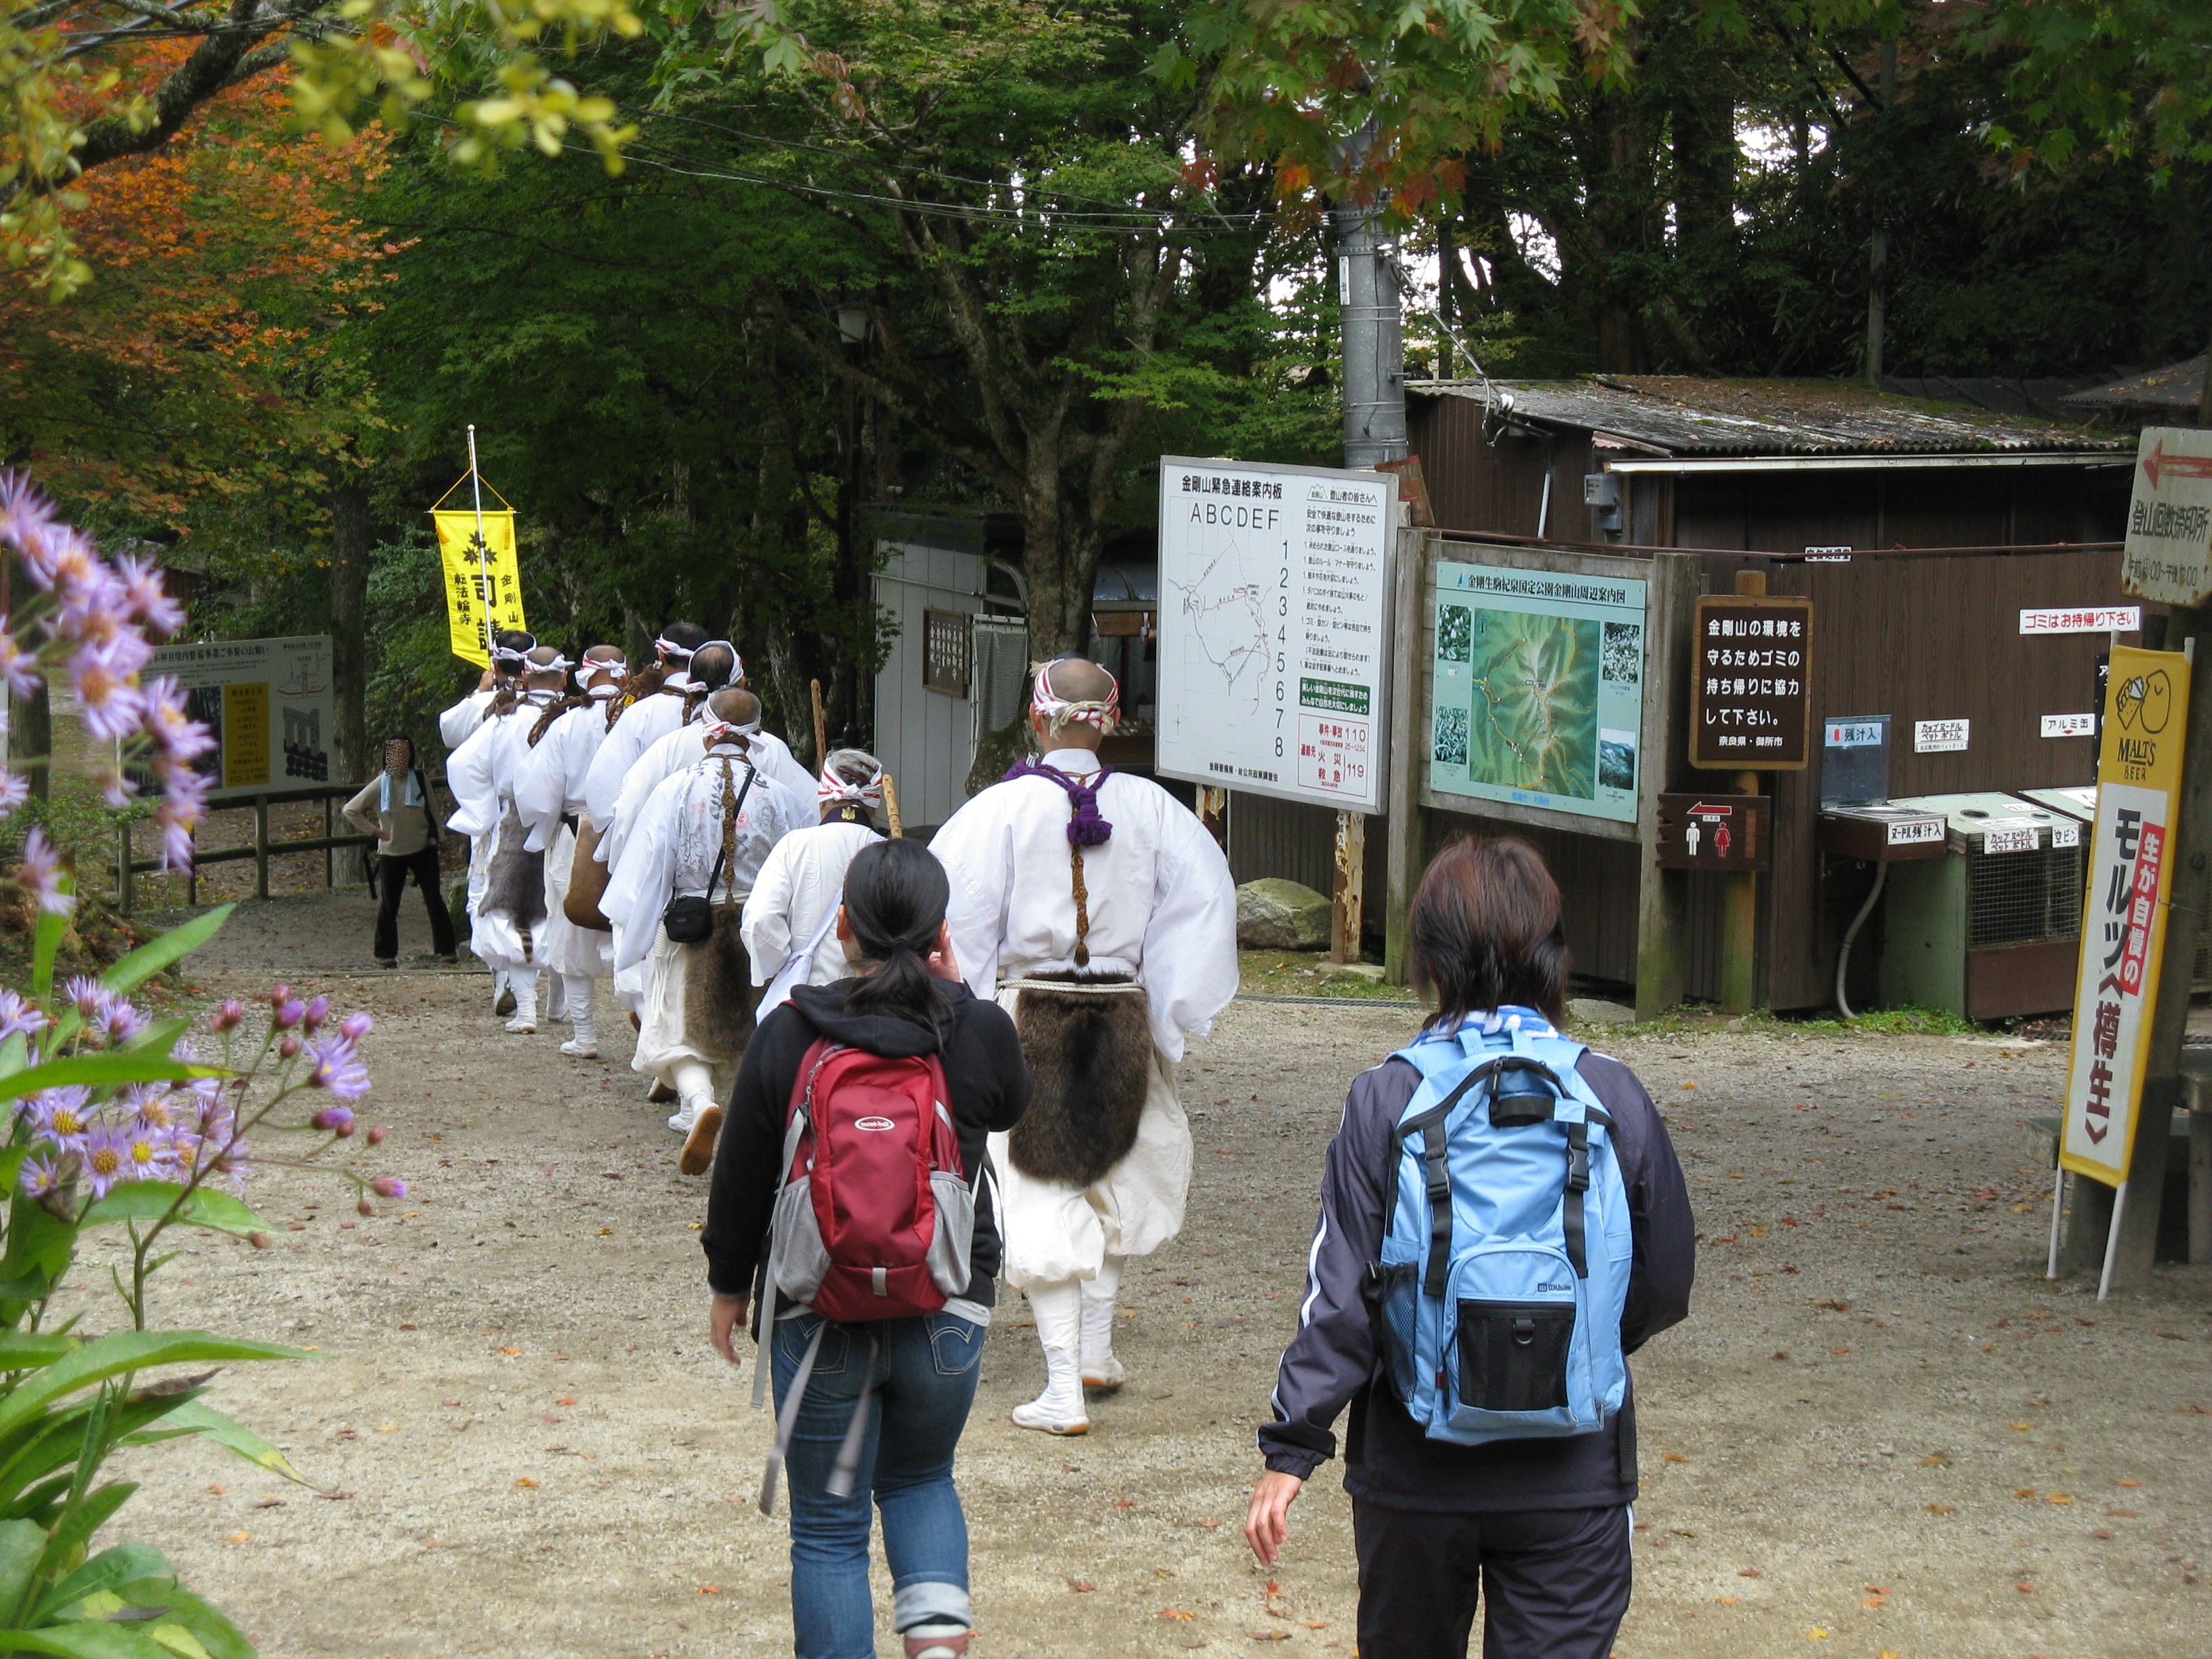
(244, 735)
(464, 568)
(2124, 920)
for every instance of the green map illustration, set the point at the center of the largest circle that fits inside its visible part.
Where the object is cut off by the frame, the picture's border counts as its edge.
(1532, 723)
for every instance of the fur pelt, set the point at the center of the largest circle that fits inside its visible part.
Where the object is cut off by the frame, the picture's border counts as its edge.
(1092, 1055)
(516, 889)
(588, 882)
(719, 993)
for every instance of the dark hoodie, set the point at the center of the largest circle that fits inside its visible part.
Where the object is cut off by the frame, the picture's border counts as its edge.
(984, 1072)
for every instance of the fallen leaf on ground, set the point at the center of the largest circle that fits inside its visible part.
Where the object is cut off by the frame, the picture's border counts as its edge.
(240, 1537)
(334, 1496)
(710, 1589)
(2023, 1427)
(1816, 1634)
(1081, 1586)
(270, 1503)
(1209, 1523)
(565, 1399)
(2024, 1491)
(217, 1491)
(2121, 1515)
(1933, 1460)
(2127, 1483)
(1728, 1600)
(1675, 1457)
(2060, 1497)
(1268, 1635)
(524, 1481)
(1178, 1614)
(1748, 1572)
(510, 1351)
(1941, 1509)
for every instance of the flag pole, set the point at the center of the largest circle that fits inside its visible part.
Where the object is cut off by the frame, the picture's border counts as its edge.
(483, 547)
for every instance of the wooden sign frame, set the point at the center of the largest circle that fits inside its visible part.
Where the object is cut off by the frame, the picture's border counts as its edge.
(1781, 607)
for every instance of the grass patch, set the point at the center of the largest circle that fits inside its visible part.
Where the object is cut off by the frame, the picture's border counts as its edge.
(1307, 974)
(1689, 1020)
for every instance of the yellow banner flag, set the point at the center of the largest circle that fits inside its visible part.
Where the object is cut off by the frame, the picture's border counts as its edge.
(465, 573)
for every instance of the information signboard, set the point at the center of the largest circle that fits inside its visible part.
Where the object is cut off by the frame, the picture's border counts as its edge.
(1751, 701)
(2168, 553)
(1718, 831)
(268, 702)
(1273, 623)
(2124, 934)
(1539, 689)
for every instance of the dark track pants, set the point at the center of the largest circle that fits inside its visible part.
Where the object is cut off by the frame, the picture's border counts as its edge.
(392, 880)
(1555, 1582)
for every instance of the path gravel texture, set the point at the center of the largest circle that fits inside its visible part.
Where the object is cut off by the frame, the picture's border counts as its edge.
(1879, 1433)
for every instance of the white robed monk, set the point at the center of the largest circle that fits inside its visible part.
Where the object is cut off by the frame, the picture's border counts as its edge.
(549, 798)
(455, 727)
(791, 920)
(702, 835)
(1097, 908)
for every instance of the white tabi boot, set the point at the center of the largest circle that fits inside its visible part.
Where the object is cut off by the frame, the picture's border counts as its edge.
(557, 998)
(1059, 1409)
(502, 993)
(523, 982)
(585, 1044)
(1102, 1371)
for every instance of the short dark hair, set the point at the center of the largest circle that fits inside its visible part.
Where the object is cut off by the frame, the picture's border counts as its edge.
(1484, 931)
(685, 636)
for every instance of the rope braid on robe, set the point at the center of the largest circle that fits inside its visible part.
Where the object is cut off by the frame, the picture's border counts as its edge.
(718, 994)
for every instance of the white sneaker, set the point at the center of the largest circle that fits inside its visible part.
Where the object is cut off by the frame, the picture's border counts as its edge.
(522, 1025)
(1048, 1415)
(575, 1048)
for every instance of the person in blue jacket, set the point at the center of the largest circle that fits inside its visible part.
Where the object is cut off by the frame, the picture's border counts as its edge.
(1538, 1527)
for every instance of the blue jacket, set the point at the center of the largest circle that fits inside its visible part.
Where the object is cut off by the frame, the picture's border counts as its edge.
(1330, 1364)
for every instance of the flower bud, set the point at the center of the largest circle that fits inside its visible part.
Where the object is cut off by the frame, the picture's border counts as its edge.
(377, 1135)
(291, 1046)
(289, 1014)
(366, 1208)
(227, 1017)
(337, 1120)
(279, 996)
(317, 1013)
(388, 1187)
(259, 1241)
(356, 1025)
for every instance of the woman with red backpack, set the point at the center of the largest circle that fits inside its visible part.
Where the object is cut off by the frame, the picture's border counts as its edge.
(900, 1067)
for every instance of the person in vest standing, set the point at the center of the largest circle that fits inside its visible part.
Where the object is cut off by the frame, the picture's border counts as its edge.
(790, 921)
(394, 807)
(1539, 1526)
(905, 1383)
(685, 873)
(1109, 914)
(549, 798)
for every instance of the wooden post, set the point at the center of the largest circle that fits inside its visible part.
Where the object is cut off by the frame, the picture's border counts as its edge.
(1348, 901)
(125, 889)
(1662, 895)
(1213, 813)
(2200, 1184)
(261, 846)
(1407, 819)
(2134, 1243)
(890, 808)
(1740, 899)
(330, 853)
(821, 730)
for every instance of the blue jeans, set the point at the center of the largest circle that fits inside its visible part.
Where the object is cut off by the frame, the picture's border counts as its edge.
(924, 1372)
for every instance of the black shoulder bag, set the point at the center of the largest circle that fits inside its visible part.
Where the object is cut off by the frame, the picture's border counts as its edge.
(691, 921)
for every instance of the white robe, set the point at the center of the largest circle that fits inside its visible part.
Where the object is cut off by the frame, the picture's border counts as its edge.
(641, 726)
(671, 855)
(799, 887)
(481, 775)
(457, 723)
(549, 786)
(1162, 909)
(670, 754)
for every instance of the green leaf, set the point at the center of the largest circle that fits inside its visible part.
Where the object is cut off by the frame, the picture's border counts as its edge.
(218, 1638)
(193, 1416)
(149, 958)
(159, 1037)
(125, 1351)
(15, 1053)
(178, 1640)
(109, 1569)
(90, 1640)
(46, 942)
(74, 1528)
(22, 1350)
(21, 1544)
(40, 1246)
(150, 1201)
(117, 1066)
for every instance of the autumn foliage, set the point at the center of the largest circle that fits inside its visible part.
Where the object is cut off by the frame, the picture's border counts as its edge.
(196, 374)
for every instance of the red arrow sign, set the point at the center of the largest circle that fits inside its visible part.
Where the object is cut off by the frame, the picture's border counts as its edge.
(2181, 466)
(1702, 810)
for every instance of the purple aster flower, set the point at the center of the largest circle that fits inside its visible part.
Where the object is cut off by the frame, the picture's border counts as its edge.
(25, 512)
(41, 875)
(356, 1025)
(177, 737)
(339, 1068)
(18, 667)
(226, 1017)
(317, 1011)
(15, 790)
(333, 1120)
(42, 1175)
(91, 998)
(62, 1117)
(290, 1013)
(279, 995)
(117, 788)
(183, 806)
(125, 1022)
(388, 1187)
(107, 1160)
(17, 1016)
(109, 704)
(152, 1153)
(146, 598)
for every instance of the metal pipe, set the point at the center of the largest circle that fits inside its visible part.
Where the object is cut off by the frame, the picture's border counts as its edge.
(1850, 934)
(483, 547)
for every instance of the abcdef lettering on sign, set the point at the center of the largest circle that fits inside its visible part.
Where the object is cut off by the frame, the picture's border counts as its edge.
(1751, 705)
(2168, 553)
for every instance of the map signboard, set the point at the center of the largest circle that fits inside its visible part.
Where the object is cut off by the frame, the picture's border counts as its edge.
(1274, 601)
(268, 702)
(1539, 689)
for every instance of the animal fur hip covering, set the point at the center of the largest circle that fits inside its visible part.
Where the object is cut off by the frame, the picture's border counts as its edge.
(1092, 1055)
(516, 888)
(719, 993)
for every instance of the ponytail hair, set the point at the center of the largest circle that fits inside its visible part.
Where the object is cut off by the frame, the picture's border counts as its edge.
(895, 897)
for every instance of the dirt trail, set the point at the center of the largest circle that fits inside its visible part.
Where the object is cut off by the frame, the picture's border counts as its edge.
(1881, 1430)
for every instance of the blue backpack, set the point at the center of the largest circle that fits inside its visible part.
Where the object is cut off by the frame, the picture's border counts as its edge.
(1506, 1250)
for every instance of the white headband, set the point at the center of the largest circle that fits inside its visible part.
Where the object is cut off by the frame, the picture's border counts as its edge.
(833, 788)
(669, 648)
(717, 730)
(1104, 714)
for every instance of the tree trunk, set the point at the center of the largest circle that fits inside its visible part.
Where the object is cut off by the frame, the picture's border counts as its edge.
(1618, 205)
(349, 631)
(34, 740)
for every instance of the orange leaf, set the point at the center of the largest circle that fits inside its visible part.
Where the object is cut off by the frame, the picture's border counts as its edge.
(1178, 1614)
(524, 1481)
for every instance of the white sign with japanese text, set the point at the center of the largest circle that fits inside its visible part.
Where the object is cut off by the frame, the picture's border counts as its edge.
(1941, 736)
(269, 704)
(2084, 619)
(2168, 552)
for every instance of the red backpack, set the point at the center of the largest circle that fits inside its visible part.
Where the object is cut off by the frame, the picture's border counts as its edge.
(875, 1220)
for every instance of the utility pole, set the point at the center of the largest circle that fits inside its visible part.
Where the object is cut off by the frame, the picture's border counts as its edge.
(1878, 249)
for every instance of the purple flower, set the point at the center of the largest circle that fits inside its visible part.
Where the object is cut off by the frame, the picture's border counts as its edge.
(333, 1120)
(279, 995)
(388, 1187)
(356, 1025)
(289, 1046)
(317, 1011)
(339, 1068)
(290, 1013)
(25, 512)
(178, 737)
(146, 598)
(107, 701)
(153, 1107)
(151, 1153)
(183, 806)
(41, 875)
(41, 1175)
(227, 1017)
(62, 1117)
(91, 999)
(125, 1022)
(107, 1160)
(17, 1016)
(15, 790)
(18, 667)
(117, 788)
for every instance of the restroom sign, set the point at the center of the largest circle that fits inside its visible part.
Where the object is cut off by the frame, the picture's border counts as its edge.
(1718, 831)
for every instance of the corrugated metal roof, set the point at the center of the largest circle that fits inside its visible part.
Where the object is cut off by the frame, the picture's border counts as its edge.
(2178, 385)
(1683, 415)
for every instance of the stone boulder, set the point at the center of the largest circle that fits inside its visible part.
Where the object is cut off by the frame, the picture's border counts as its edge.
(1279, 915)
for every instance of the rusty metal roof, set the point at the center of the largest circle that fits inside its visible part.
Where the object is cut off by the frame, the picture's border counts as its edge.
(1684, 415)
(2178, 385)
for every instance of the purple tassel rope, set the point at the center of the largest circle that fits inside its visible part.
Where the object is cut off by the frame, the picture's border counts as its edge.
(1084, 827)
